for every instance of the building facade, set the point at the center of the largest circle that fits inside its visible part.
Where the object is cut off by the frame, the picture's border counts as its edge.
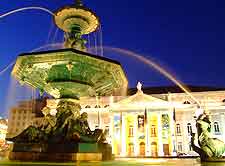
(140, 124)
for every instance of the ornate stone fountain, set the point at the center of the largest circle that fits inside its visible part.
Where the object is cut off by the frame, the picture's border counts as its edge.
(67, 74)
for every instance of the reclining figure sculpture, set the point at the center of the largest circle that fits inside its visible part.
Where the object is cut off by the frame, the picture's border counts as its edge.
(67, 125)
(208, 148)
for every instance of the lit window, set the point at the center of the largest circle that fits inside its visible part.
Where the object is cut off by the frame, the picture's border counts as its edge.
(130, 148)
(153, 131)
(186, 102)
(190, 147)
(107, 130)
(97, 106)
(216, 127)
(117, 132)
(106, 106)
(87, 106)
(178, 129)
(189, 128)
(131, 131)
(179, 147)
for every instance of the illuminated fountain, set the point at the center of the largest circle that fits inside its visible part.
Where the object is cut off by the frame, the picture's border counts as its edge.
(67, 74)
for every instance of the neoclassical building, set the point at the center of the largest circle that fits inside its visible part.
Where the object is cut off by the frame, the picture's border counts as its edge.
(143, 123)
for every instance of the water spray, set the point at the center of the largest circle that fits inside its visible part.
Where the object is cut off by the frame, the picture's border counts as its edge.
(7, 67)
(155, 66)
(27, 8)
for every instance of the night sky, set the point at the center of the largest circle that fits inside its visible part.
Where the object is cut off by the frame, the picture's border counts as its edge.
(186, 37)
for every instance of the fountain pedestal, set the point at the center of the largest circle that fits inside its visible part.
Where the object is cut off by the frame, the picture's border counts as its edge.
(61, 152)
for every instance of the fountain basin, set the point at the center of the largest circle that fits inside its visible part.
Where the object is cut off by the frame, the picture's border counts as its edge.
(69, 73)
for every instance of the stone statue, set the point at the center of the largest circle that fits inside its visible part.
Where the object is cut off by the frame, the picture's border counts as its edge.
(63, 125)
(74, 41)
(208, 147)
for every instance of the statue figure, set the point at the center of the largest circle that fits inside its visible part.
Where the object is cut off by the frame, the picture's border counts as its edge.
(83, 131)
(209, 147)
(63, 125)
(74, 40)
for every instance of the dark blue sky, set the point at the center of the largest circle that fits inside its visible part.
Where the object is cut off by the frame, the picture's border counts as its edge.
(186, 37)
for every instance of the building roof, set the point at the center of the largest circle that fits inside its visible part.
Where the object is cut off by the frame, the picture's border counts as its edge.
(173, 89)
(140, 100)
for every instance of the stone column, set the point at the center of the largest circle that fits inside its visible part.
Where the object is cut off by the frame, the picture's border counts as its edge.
(221, 125)
(123, 135)
(160, 143)
(136, 146)
(147, 137)
(172, 132)
(111, 131)
(99, 119)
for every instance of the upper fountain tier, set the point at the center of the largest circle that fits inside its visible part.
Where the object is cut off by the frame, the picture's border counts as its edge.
(76, 18)
(72, 72)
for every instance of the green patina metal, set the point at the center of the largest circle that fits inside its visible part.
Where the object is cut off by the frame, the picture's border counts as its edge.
(67, 73)
(208, 148)
(70, 73)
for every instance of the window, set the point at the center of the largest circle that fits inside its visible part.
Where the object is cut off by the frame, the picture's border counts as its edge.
(178, 130)
(189, 128)
(131, 131)
(186, 102)
(87, 106)
(106, 106)
(130, 148)
(216, 127)
(97, 106)
(117, 132)
(153, 131)
(179, 147)
(190, 147)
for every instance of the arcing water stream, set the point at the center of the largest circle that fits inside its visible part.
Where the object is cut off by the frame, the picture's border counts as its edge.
(119, 50)
(27, 8)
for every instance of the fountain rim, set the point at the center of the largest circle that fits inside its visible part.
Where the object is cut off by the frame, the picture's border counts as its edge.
(42, 53)
(78, 7)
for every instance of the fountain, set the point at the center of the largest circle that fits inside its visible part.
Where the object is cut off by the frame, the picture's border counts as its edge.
(67, 74)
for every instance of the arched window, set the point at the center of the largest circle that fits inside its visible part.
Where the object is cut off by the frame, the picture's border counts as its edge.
(87, 106)
(179, 146)
(216, 127)
(97, 106)
(153, 131)
(190, 147)
(142, 148)
(178, 130)
(130, 149)
(131, 131)
(186, 102)
(189, 128)
(106, 106)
